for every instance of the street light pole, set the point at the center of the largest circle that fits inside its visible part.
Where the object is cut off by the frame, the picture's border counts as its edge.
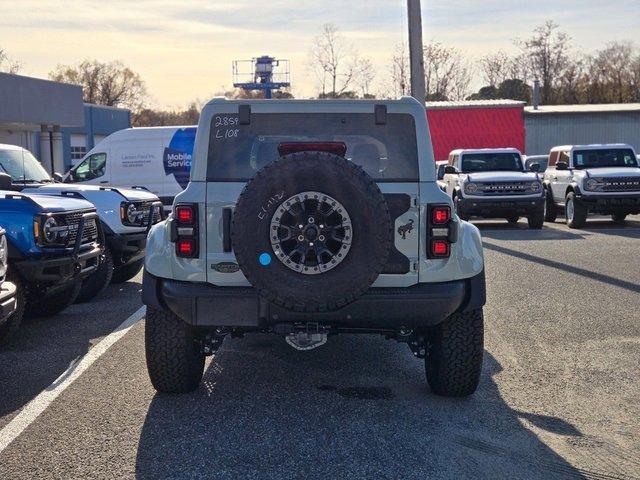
(416, 58)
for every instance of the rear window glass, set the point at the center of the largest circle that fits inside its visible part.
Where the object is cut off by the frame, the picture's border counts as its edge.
(386, 152)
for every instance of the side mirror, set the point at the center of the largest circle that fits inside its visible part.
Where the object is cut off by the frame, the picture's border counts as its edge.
(57, 177)
(5, 181)
(450, 169)
(562, 166)
(534, 167)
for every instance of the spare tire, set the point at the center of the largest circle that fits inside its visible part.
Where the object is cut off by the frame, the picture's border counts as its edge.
(311, 231)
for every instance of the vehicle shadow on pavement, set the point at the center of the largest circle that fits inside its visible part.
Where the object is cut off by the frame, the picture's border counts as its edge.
(43, 348)
(358, 407)
(600, 277)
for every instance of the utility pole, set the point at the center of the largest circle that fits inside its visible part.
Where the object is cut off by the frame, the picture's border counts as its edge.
(416, 58)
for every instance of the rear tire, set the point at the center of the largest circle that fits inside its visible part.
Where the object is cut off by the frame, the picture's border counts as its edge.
(619, 218)
(174, 361)
(456, 203)
(50, 305)
(550, 208)
(126, 272)
(575, 213)
(98, 281)
(536, 219)
(11, 325)
(453, 359)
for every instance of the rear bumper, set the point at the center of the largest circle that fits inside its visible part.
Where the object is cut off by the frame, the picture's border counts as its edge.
(423, 305)
(60, 269)
(496, 208)
(629, 203)
(8, 302)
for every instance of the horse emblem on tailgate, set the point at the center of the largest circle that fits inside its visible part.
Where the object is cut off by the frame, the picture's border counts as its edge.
(405, 229)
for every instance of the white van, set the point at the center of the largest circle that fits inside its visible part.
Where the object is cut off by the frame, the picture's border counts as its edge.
(155, 158)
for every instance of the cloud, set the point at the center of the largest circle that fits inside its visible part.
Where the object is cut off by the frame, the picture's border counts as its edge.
(184, 49)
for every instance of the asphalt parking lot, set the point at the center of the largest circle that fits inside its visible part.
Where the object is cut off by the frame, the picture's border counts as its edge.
(559, 397)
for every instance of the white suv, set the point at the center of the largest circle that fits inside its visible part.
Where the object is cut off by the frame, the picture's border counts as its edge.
(308, 219)
(583, 179)
(493, 183)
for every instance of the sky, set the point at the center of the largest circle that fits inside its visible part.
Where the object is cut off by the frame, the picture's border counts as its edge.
(184, 49)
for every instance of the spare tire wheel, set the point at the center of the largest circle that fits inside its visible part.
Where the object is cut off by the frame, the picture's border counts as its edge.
(311, 231)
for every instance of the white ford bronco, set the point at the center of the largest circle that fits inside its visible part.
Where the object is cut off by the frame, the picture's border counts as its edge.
(493, 183)
(583, 179)
(308, 219)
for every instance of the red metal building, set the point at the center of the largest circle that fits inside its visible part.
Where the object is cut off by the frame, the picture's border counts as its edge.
(475, 124)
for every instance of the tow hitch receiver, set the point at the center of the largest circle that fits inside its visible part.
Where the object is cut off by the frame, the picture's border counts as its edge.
(309, 338)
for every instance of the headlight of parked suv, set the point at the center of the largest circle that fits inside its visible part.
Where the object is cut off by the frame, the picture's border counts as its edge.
(470, 188)
(591, 184)
(132, 214)
(535, 186)
(4, 254)
(48, 233)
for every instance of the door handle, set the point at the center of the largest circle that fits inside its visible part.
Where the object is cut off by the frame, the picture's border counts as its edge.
(104, 181)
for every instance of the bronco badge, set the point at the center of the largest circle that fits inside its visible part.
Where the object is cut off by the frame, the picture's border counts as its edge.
(405, 229)
(225, 267)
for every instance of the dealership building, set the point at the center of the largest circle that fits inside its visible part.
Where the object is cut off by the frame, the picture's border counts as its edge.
(550, 125)
(51, 120)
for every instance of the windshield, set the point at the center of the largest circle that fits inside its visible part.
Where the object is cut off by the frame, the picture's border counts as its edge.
(22, 166)
(491, 162)
(607, 157)
(386, 152)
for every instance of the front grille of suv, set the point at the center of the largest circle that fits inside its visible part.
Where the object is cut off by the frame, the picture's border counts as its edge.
(504, 188)
(146, 208)
(90, 232)
(621, 184)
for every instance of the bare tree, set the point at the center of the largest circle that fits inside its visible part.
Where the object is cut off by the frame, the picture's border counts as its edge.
(546, 56)
(104, 83)
(400, 72)
(333, 61)
(613, 73)
(496, 68)
(8, 64)
(364, 76)
(448, 74)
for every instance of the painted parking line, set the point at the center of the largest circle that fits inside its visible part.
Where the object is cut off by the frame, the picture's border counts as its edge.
(39, 404)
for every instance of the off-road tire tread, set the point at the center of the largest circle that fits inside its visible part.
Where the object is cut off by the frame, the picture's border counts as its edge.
(242, 251)
(174, 361)
(455, 348)
(551, 211)
(98, 281)
(536, 219)
(10, 327)
(124, 273)
(579, 212)
(47, 306)
(619, 218)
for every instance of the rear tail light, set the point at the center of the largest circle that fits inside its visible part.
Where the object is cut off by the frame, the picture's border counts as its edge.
(185, 214)
(440, 229)
(186, 247)
(186, 230)
(440, 215)
(440, 248)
